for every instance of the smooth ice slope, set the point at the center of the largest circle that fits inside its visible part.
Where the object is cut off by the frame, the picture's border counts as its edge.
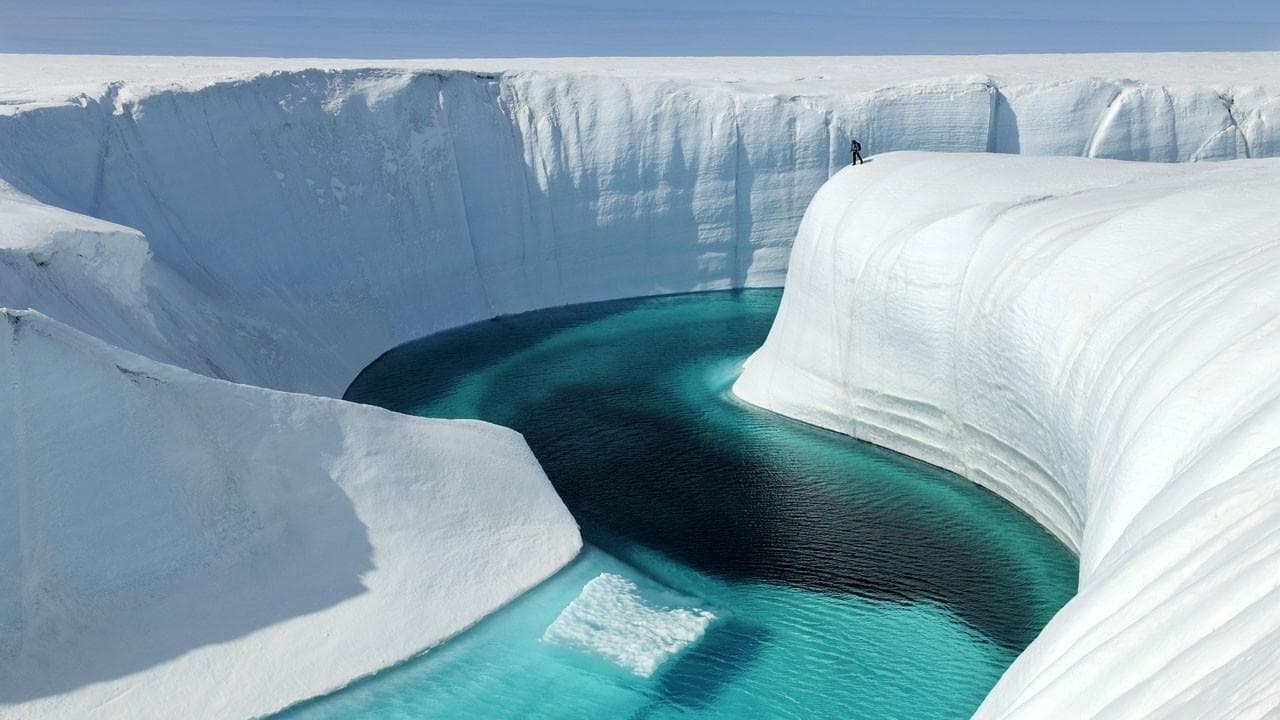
(1098, 342)
(176, 546)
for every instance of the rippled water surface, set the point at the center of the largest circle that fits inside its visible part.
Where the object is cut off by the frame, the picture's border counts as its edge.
(846, 581)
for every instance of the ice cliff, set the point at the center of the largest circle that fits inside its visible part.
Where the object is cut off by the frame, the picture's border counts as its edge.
(278, 224)
(324, 216)
(1097, 342)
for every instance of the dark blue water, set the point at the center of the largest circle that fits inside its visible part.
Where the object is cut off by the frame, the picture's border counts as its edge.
(846, 581)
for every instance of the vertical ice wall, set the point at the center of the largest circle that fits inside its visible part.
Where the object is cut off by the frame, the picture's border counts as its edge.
(321, 217)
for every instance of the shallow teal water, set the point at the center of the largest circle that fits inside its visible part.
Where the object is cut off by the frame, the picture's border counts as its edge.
(847, 581)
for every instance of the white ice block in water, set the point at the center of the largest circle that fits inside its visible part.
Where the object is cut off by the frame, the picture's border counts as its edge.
(635, 629)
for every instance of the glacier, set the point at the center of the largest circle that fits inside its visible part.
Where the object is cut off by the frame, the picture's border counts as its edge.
(247, 228)
(1095, 341)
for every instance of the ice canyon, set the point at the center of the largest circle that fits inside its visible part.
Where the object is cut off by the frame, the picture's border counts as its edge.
(225, 243)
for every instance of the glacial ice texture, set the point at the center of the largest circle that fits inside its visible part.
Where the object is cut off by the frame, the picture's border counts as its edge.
(284, 229)
(1097, 342)
(279, 224)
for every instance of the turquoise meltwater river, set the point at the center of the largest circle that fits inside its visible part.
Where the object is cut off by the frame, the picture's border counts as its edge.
(738, 564)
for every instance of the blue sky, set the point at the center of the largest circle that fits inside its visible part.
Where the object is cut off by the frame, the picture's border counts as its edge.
(506, 28)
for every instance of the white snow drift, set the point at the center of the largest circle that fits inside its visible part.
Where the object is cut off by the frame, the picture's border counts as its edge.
(281, 223)
(1097, 342)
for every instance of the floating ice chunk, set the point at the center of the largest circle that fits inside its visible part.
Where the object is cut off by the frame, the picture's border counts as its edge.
(632, 628)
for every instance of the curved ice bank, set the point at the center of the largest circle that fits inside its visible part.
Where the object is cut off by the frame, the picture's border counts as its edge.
(284, 222)
(177, 546)
(1096, 341)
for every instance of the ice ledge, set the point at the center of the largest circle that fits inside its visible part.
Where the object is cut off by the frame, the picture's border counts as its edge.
(1096, 341)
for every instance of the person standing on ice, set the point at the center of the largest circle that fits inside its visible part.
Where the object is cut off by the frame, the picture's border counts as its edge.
(855, 149)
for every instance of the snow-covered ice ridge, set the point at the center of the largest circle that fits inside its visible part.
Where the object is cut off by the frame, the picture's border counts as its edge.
(279, 223)
(1096, 341)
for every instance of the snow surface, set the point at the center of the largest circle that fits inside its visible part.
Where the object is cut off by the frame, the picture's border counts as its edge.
(280, 223)
(33, 79)
(1096, 341)
(636, 629)
(177, 546)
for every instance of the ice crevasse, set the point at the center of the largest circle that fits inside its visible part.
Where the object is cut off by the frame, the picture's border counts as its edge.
(1096, 341)
(202, 238)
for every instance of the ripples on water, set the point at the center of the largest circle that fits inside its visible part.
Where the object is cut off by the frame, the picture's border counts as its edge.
(847, 581)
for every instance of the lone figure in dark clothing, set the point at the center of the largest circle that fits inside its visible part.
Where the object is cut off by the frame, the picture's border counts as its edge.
(856, 151)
